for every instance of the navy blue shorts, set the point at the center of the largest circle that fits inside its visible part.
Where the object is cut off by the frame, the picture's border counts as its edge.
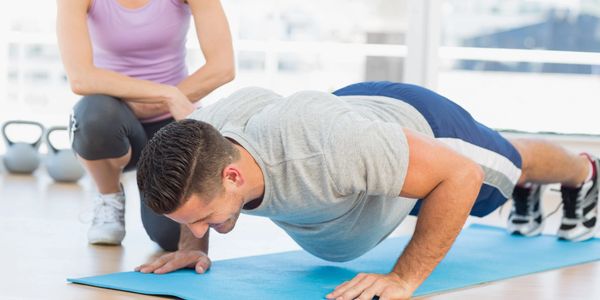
(455, 127)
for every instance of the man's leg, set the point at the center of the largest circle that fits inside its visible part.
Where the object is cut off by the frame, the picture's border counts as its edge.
(544, 162)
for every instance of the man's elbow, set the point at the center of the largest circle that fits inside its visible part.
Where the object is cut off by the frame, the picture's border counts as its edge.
(472, 176)
(469, 178)
(476, 173)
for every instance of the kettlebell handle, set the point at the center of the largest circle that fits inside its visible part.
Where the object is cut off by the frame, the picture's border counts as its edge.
(35, 144)
(47, 136)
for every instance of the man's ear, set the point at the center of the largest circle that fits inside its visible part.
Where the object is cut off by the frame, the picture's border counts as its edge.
(232, 175)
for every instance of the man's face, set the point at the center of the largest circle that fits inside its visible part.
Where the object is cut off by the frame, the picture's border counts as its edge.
(199, 214)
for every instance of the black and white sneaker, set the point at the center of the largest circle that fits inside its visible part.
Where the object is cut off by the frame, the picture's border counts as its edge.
(526, 214)
(580, 210)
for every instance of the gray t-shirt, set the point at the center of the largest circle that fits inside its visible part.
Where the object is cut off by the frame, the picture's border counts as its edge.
(333, 166)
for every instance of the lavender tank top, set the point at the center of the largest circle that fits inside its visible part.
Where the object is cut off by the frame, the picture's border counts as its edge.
(145, 43)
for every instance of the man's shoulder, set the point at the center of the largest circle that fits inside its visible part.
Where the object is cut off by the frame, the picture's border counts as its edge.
(251, 93)
(236, 108)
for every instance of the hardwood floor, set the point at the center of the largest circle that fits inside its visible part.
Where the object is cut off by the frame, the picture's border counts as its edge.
(43, 241)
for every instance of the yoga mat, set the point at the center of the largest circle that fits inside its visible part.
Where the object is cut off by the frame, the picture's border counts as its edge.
(481, 254)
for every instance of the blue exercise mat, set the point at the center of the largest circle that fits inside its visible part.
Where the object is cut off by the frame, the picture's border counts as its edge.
(481, 254)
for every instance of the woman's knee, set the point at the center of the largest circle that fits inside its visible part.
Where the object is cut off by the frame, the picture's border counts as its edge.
(167, 240)
(98, 125)
(97, 113)
(162, 230)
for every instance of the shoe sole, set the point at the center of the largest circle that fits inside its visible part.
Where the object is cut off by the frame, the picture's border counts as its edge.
(581, 238)
(104, 243)
(532, 233)
(588, 235)
(106, 240)
(584, 237)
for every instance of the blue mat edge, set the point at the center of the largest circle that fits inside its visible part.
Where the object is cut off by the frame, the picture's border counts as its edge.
(443, 290)
(83, 281)
(497, 228)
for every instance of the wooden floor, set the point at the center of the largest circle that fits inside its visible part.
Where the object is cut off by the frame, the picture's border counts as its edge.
(43, 241)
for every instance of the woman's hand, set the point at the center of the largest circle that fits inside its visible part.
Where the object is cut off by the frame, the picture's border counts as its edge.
(173, 101)
(179, 105)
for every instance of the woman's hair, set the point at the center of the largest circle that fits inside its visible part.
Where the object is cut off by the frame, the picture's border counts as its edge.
(183, 158)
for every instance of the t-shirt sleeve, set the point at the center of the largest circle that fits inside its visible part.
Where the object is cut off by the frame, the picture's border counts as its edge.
(367, 156)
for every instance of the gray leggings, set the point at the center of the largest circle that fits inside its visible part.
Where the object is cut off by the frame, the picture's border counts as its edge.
(104, 127)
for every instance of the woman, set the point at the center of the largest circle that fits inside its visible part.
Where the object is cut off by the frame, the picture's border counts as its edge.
(127, 59)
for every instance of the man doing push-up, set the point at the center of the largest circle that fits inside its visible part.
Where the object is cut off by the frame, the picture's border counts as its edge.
(338, 172)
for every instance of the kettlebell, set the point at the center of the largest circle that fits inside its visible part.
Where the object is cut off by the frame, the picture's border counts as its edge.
(21, 157)
(61, 164)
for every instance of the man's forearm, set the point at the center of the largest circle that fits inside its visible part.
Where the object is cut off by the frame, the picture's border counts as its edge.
(187, 240)
(441, 217)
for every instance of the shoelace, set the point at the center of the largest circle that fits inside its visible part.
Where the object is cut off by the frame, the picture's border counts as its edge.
(571, 208)
(570, 201)
(521, 199)
(107, 209)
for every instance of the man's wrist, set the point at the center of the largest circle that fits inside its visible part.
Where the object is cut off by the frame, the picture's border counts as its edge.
(192, 245)
(401, 280)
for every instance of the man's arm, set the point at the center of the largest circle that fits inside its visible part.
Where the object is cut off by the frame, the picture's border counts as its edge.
(448, 183)
(192, 253)
(187, 240)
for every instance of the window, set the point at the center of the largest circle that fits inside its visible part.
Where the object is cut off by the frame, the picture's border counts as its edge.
(525, 65)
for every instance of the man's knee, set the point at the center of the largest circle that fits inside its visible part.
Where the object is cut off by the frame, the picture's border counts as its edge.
(523, 148)
(98, 126)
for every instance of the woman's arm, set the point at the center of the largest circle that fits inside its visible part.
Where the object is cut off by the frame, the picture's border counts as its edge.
(215, 42)
(85, 79)
(213, 33)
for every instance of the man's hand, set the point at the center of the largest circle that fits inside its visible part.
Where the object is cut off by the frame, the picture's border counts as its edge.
(193, 259)
(366, 286)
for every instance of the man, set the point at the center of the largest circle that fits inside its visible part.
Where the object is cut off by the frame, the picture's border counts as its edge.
(339, 172)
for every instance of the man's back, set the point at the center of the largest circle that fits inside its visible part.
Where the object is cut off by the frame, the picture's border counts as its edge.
(333, 166)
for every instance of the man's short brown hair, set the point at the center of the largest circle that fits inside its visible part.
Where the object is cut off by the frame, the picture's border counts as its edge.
(183, 158)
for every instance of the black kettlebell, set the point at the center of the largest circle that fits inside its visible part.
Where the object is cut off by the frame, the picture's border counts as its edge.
(21, 157)
(61, 164)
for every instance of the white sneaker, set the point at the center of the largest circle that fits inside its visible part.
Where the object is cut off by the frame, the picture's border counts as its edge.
(526, 217)
(580, 210)
(108, 225)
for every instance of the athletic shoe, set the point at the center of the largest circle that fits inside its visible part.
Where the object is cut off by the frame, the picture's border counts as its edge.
(580, 209)
(108, 225)
(526, 214)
